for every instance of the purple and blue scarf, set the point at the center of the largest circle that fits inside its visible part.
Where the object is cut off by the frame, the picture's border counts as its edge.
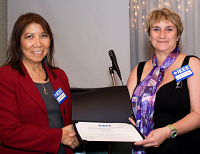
(143, 99)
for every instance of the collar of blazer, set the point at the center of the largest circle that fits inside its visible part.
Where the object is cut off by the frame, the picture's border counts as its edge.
(28, 85)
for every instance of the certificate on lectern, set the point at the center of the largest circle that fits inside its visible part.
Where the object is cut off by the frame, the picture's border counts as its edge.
(108, 132)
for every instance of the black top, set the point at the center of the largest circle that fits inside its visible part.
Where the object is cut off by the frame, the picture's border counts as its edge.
(171, 105)
(53, 109)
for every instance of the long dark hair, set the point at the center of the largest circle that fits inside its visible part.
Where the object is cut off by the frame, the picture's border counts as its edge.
(14, 52)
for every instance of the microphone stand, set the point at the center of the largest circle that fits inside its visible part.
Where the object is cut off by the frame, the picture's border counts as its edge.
(114, 84)
(112, 76)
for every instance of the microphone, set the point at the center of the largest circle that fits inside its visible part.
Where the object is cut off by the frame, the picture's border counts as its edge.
(114, 63)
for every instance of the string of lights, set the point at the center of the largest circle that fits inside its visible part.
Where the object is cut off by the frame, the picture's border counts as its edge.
(155, 4)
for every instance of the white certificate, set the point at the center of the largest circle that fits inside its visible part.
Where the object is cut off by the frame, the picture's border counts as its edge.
(108, 132)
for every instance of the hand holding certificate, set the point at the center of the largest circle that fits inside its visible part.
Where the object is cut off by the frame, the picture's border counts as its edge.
(108, 132)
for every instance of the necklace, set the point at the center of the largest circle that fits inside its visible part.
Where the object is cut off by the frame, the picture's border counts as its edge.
(45, 91)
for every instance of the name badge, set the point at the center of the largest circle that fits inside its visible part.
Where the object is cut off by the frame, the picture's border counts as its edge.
(182, 73)
(59, 95)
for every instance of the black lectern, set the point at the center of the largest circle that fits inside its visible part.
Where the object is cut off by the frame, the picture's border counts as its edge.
(107, 104)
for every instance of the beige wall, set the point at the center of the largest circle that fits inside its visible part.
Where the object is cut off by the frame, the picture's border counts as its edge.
(84, 32)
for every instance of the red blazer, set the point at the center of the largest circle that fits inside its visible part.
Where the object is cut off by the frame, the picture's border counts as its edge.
(24, 126)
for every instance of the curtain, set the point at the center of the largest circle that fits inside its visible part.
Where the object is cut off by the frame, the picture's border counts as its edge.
(3, 30)
(188, 10)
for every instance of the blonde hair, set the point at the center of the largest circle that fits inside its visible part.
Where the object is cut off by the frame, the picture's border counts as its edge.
(167, 15)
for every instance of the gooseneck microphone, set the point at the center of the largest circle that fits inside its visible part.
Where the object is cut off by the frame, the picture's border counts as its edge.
(114, 63)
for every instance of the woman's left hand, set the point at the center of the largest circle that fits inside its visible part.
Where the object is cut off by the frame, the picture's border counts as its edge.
(132, 121)
(155, 137)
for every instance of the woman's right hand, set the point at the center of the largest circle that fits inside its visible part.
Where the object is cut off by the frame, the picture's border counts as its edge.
(69, 137)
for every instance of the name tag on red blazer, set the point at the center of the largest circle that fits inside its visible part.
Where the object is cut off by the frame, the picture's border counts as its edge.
(59, 95)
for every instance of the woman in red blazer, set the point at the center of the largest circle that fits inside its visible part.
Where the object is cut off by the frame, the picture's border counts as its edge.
(31, 119)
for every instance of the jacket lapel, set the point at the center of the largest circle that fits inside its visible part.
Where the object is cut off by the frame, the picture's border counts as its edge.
(29, 86)
(54, 82)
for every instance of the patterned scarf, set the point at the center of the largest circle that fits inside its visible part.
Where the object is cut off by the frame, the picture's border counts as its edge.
(143, 99)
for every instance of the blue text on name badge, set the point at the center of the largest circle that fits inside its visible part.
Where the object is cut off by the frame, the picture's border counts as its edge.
(182, 73)
(59, 95)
